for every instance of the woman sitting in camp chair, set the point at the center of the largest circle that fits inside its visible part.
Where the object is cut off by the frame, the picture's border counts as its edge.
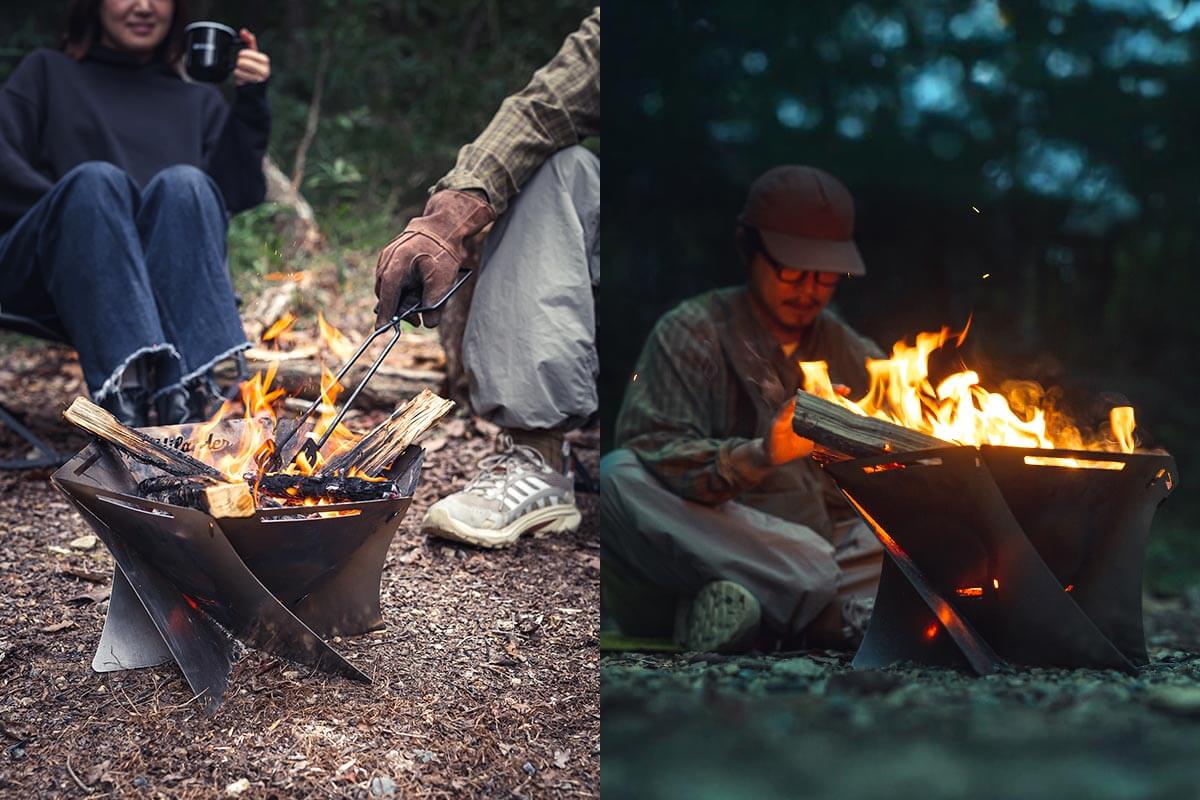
(117, 178)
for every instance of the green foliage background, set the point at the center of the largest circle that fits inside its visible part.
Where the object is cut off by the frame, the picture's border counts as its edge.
(409, 82)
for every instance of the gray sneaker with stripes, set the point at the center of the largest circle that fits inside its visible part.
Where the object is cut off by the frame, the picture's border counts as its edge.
(515, 493)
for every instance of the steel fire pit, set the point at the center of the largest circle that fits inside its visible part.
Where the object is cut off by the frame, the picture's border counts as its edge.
(1003, 554)
(186, 585)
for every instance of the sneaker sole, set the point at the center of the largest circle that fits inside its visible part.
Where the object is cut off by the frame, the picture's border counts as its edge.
(723, 617)
(540, 522)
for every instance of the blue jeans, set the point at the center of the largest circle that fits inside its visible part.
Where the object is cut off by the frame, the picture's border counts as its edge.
(127, 273)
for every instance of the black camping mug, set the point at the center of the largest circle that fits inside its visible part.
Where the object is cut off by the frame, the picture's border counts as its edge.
(211, 51)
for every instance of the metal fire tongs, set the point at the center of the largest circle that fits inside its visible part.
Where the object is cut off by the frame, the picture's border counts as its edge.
(270, 458)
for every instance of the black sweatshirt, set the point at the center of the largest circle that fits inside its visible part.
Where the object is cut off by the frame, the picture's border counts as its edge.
(56, 113)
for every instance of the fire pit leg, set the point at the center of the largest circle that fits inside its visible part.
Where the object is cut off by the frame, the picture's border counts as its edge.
(203, 652)
(903, 628)
(129, 639)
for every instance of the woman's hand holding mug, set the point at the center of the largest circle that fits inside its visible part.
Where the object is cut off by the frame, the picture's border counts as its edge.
(253, 65)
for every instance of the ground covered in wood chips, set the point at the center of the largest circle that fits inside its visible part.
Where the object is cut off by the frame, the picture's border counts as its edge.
(484, 680)
(806, 725)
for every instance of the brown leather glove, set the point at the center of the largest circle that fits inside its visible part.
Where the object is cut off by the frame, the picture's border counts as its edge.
(423, 261)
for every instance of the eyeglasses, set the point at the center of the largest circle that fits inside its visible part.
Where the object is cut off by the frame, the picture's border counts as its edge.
(787, 274)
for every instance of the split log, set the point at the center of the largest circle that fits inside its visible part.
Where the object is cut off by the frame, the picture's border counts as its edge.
(222, 500)
(85, 414)
(379, 448)
(840, 433)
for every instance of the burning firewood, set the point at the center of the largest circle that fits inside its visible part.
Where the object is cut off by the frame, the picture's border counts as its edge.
(221, 500)
(85, 414)
(288, 489)
(209, 490)
(235, 492)
(380, 447)
(840, 433)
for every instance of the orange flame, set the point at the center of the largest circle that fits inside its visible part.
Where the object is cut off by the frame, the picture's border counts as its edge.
(258, 401)
(334, 340)
(280, 325)
(958, 409)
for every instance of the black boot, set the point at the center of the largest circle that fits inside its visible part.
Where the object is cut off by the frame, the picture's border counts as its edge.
(172, 407)
(181, 405)
(130, 405)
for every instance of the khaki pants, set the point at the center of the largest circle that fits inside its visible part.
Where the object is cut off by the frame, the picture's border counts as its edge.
(656, 548)
(529, 348)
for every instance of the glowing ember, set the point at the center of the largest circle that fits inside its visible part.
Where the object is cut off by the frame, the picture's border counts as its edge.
(931, 631)
(958, 409)
(970, 591)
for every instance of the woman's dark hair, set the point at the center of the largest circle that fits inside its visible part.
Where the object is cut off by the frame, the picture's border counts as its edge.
(83, 31)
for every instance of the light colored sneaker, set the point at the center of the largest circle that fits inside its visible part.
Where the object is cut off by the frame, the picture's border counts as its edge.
(515, 493)
(723, 617)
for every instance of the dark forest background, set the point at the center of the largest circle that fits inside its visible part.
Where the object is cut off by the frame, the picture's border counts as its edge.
(1050, 146)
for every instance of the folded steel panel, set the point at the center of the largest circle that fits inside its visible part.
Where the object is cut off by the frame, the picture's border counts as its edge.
(1037, 552)
(186, 585)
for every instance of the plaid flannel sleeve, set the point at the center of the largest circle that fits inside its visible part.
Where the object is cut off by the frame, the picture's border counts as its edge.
(560, 107)
(666, 418)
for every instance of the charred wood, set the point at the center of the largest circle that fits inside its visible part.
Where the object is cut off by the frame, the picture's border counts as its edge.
(288, 489)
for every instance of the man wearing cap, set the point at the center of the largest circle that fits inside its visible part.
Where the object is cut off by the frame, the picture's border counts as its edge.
(715, 526)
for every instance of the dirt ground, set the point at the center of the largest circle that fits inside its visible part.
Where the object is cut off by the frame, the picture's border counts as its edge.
(485, 680)
(806, 725)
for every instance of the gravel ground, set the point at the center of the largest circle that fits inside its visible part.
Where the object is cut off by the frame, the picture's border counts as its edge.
(485, 680)
(806, 725)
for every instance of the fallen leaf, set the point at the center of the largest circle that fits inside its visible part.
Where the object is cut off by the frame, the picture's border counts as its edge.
(98, 772)
(83, 542)
(59, 626)
(237, 787)
(560, 758)
(95, 596)
(83, 574)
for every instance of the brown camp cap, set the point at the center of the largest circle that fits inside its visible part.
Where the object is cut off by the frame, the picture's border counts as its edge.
(806, 219)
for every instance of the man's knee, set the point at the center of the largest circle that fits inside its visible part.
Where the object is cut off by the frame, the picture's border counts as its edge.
(617, 470)
(575, 157)
(575, 167)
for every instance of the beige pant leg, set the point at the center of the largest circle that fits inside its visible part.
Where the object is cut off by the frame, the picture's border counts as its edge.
(656, 547)
(860, 558)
